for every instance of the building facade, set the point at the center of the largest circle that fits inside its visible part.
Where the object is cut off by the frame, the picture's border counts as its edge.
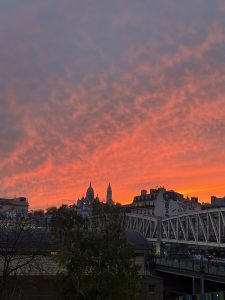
(163, 203)
(217, 202)
(14, 206)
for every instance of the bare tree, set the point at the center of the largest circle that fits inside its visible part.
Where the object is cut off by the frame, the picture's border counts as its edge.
(20, 245)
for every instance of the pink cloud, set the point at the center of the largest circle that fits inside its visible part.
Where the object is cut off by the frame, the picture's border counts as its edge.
(138, 110)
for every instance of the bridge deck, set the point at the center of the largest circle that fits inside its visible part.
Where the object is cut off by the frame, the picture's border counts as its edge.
(210, 270)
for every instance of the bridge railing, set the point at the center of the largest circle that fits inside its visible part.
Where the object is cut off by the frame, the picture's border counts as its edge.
(199, 266)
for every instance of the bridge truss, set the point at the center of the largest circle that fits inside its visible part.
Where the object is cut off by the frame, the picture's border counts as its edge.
(146, 225)
(204, 228)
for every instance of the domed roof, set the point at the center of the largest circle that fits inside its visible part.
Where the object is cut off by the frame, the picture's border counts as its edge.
(90, 191)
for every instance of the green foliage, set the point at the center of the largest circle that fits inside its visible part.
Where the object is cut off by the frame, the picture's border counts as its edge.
(97, 260)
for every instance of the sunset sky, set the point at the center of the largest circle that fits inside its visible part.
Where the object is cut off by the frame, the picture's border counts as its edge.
(126, 91)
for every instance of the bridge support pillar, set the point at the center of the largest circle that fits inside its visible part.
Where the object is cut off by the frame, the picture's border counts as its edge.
(198, 285)
(158, 248)
(202, 285)
(194, 285)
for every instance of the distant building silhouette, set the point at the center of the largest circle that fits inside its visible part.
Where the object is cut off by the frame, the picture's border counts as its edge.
(90, 195)
(109, 200)
(160, 202)
(84, 205)
(217, 202)
(13, 207)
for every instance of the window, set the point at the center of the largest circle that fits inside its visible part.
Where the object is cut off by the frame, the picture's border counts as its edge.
(151, 289)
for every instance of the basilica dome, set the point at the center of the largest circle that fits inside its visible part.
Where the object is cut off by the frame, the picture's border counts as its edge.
(90, 194)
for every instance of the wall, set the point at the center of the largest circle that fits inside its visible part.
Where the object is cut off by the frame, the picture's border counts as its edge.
(151, 288)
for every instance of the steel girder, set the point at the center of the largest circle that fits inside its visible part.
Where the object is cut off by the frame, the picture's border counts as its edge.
(146, 225)
(205, 227)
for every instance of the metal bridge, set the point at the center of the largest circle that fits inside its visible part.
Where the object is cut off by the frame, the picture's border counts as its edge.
(203, 228)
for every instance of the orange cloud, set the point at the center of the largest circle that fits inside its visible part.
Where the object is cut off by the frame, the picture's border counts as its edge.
(105, 93)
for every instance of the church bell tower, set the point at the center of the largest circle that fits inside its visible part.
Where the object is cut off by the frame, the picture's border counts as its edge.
(109, 200)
